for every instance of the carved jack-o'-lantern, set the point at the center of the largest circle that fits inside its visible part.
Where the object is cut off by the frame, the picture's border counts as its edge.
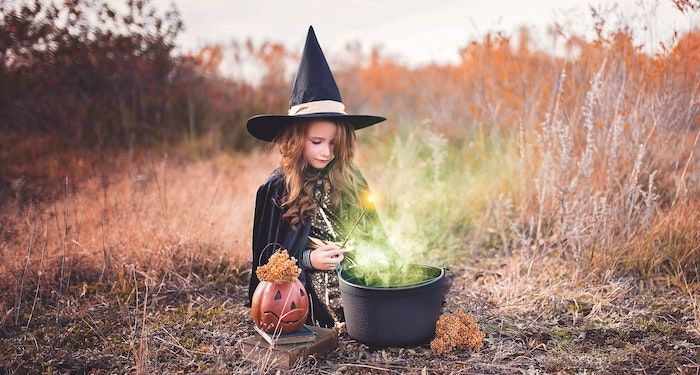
(280, 307)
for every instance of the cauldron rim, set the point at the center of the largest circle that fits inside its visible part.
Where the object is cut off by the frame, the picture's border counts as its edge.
(408, 287)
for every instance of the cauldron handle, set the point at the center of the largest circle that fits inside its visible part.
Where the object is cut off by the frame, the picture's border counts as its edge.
(447, 284)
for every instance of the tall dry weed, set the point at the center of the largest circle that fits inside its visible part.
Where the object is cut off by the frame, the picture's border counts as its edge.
(604, 173)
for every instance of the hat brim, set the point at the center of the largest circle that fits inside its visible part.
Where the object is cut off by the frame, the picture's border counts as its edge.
(267, 127)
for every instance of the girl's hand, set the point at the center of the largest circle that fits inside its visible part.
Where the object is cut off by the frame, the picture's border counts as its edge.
(326, 257)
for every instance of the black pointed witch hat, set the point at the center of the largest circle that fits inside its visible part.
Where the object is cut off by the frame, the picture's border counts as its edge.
(315, 95)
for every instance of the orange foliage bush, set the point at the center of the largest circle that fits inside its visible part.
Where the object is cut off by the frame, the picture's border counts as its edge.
(457, 331)
(280, 269)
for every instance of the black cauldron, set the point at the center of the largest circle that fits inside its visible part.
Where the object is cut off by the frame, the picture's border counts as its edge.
(400, 316)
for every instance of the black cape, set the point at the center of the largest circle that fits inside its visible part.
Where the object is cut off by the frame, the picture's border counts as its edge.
(272, 232)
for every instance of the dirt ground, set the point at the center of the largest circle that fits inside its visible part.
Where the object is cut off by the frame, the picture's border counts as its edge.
(538, 317)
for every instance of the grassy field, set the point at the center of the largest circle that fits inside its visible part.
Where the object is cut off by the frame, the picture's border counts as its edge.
(146, 270)
(547, 321)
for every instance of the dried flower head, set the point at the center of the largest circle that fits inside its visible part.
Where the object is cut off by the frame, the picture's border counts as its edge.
(457, 331)
(280, 269)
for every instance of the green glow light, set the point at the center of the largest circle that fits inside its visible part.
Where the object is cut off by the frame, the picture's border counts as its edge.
(370, 265)
(390, 275)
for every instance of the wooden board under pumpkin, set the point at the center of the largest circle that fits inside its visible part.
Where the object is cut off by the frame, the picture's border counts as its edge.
(286, 356)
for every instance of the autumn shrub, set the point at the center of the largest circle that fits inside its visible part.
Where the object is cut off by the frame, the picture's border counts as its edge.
(279, 269)
(457, 331)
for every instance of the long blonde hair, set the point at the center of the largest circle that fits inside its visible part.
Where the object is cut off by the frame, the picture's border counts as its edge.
(299, 203)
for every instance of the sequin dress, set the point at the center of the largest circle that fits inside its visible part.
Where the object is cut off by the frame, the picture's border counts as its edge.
(325, 225)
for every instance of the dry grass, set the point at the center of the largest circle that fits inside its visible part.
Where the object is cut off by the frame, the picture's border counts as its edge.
(149, 265)
(159, 217)
(670, 242)
(159, 283)
(561, 323)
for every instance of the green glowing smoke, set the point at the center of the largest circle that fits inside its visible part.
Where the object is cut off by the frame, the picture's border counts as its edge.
(391, 275)
(432, 195)
(374, 266)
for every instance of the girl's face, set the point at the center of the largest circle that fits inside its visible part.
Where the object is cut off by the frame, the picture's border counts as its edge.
(318, 145)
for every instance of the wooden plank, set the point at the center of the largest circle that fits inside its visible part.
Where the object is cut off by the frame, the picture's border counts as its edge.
(257, 349)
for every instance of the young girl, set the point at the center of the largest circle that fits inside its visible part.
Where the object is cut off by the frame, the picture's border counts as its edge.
(313, 201)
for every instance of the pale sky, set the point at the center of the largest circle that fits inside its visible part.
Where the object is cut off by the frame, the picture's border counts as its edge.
(415, 32)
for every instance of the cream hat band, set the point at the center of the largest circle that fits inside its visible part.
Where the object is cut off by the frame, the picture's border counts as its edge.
(319, 106)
